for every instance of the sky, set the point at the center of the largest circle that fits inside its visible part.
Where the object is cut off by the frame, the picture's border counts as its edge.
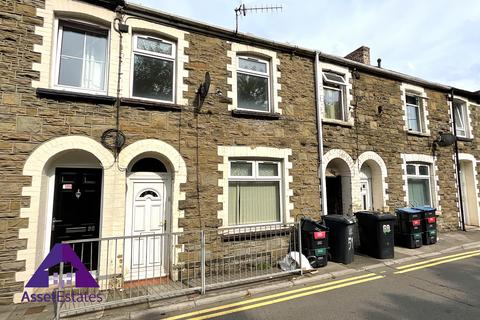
(437, 40)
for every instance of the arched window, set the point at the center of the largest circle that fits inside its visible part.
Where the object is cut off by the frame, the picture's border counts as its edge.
(148, 165)
(147, 193)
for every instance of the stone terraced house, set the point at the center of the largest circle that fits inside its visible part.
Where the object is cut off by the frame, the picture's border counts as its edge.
(107, 129)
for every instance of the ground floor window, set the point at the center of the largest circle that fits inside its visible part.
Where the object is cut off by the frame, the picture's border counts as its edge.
(254, 192)
(419, 184)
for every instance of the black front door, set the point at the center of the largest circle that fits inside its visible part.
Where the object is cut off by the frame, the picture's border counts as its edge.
(76, 211)
(334, 195)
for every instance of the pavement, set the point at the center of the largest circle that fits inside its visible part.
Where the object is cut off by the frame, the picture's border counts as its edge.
(448, 243)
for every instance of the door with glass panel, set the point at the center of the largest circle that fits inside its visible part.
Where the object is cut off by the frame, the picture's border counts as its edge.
(254, 192)
(145, 251)
(366, 194)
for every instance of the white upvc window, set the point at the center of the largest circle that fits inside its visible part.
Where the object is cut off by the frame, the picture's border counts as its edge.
(254, 192)
(334, 91)
(253, 84)
(461, 118)
(415, 112)
(82, 56)
(419, 182)
(153, 66)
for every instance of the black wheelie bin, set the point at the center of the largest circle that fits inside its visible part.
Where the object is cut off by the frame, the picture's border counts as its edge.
(340, 237)
(376, 234)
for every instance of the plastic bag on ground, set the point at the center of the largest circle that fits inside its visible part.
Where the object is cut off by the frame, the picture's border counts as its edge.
(291, 262)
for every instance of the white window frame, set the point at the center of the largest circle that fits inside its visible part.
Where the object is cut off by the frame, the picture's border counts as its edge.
(76, 24)
(413, 90)
(256, 177)
(418, 176)
(464, 117)
(421, 111)
(155, 55)
(342, 90)
(266, 75)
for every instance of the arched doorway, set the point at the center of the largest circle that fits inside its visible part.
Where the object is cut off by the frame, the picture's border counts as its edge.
(372, 174)
(74, 195)
(148, 214)
(338, 178)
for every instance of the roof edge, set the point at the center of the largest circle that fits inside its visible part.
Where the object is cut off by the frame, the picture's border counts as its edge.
(191, 25)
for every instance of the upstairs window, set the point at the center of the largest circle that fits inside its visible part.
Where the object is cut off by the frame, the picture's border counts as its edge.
(334, 91)
(461, 119)
(153, 69)
(253, 84)
(82, 57)
(419, 184)
(415, 118)
(254, 190)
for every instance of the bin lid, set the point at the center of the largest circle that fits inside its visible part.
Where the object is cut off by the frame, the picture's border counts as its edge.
(310, 225)
(339, 219)
(375, 215)
(425, 208)
(408, 210)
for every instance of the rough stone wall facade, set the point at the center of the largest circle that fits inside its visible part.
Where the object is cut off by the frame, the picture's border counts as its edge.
(383, 132)
(28, 120)
(20, 129)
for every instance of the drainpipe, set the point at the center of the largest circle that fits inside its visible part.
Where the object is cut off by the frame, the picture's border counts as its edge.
(457, 164)
(118, 19)
(323, 200)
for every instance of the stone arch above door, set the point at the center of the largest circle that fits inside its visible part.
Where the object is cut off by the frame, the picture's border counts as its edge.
(35, 167)
(168, 154)
(345, 164)
(379, 173)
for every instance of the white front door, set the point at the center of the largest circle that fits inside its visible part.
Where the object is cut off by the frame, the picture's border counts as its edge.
(469, 194)
(366, 194)
(146, 254)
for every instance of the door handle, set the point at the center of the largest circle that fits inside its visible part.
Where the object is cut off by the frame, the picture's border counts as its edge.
(53, 223)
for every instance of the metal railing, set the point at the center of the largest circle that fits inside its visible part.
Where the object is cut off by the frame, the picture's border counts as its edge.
(148, 267)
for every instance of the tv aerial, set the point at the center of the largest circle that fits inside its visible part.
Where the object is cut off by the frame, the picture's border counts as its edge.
(242, 11)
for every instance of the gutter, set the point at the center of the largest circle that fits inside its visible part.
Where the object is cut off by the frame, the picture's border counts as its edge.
(318, 105)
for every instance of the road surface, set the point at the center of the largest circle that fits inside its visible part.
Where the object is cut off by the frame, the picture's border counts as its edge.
(446, 287)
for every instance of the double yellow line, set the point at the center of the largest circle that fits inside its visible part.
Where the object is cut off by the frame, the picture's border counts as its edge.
(275, 298)
(436, 261)
(310, 290)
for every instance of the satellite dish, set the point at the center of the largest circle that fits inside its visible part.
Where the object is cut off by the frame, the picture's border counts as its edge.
(205, 86)
(446, 139)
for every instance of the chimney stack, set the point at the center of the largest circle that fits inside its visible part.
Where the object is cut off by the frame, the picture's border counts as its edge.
(361, 55)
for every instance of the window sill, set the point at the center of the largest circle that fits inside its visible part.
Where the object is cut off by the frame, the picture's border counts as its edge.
(74, 96)
(249, 233)
(418, 134)
(338, 122)
(254, 114)
(147, 104)
(464, 139)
